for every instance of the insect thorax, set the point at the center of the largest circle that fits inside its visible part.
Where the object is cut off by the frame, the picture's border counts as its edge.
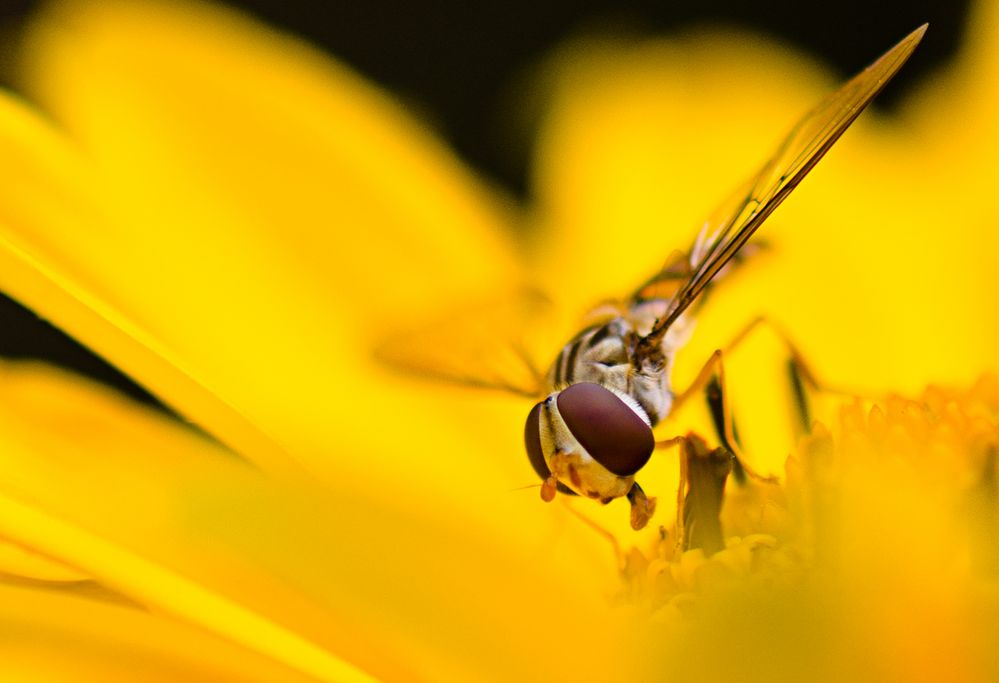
(603, 353)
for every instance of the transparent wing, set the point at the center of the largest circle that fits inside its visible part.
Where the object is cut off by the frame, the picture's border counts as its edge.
(681, 266)
(735, 222)
(667, 282)
(481, 345)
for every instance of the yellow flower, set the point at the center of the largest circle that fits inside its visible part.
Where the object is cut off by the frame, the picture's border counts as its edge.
(876, 559)
(235, 219)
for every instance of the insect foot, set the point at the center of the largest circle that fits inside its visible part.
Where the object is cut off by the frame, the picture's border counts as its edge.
(642, 507)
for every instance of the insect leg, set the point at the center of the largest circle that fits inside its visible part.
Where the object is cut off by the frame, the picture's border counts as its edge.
(801, 375)
(537, 374)
(670, 443)
(717, 409)
(610, 537)
(711, 378)
(642, 507)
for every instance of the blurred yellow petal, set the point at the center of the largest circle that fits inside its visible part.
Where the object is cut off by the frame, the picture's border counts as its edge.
(21, 563)
(959, 152)
(48, 636)
(293, 572)
(299, 390)
(233, 218)
(53, 194)
(73, 453)
(337, 422)
(188, 100)
(249, 188)
(637, 148)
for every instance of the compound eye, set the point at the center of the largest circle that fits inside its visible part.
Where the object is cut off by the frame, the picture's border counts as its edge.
(532, 441)
(610, 431)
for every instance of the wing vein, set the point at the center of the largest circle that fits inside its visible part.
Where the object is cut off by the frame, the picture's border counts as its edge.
(800, 150)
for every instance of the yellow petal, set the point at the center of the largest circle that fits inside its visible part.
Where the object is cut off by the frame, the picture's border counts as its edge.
(320, 579)
(642, 140)
(53, 195)
(197, 114)
(50, 636)
(402, 443)
(20, 563)
(251, 209)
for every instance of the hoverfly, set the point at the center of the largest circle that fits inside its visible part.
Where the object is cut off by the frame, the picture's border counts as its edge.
(609, 386)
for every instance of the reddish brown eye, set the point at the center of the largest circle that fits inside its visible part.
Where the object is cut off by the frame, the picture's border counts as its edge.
(532, 441)
(606, 427)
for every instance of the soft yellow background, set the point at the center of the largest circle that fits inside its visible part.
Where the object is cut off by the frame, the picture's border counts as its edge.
(235, 219)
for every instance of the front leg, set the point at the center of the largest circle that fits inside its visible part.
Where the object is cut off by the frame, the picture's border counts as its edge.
(711, 379)
(642, 507)
(802, 377)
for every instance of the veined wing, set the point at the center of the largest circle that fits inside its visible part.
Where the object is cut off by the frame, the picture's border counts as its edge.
(671, 277)
(481, 345)
(681, 266)
(735, 222)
